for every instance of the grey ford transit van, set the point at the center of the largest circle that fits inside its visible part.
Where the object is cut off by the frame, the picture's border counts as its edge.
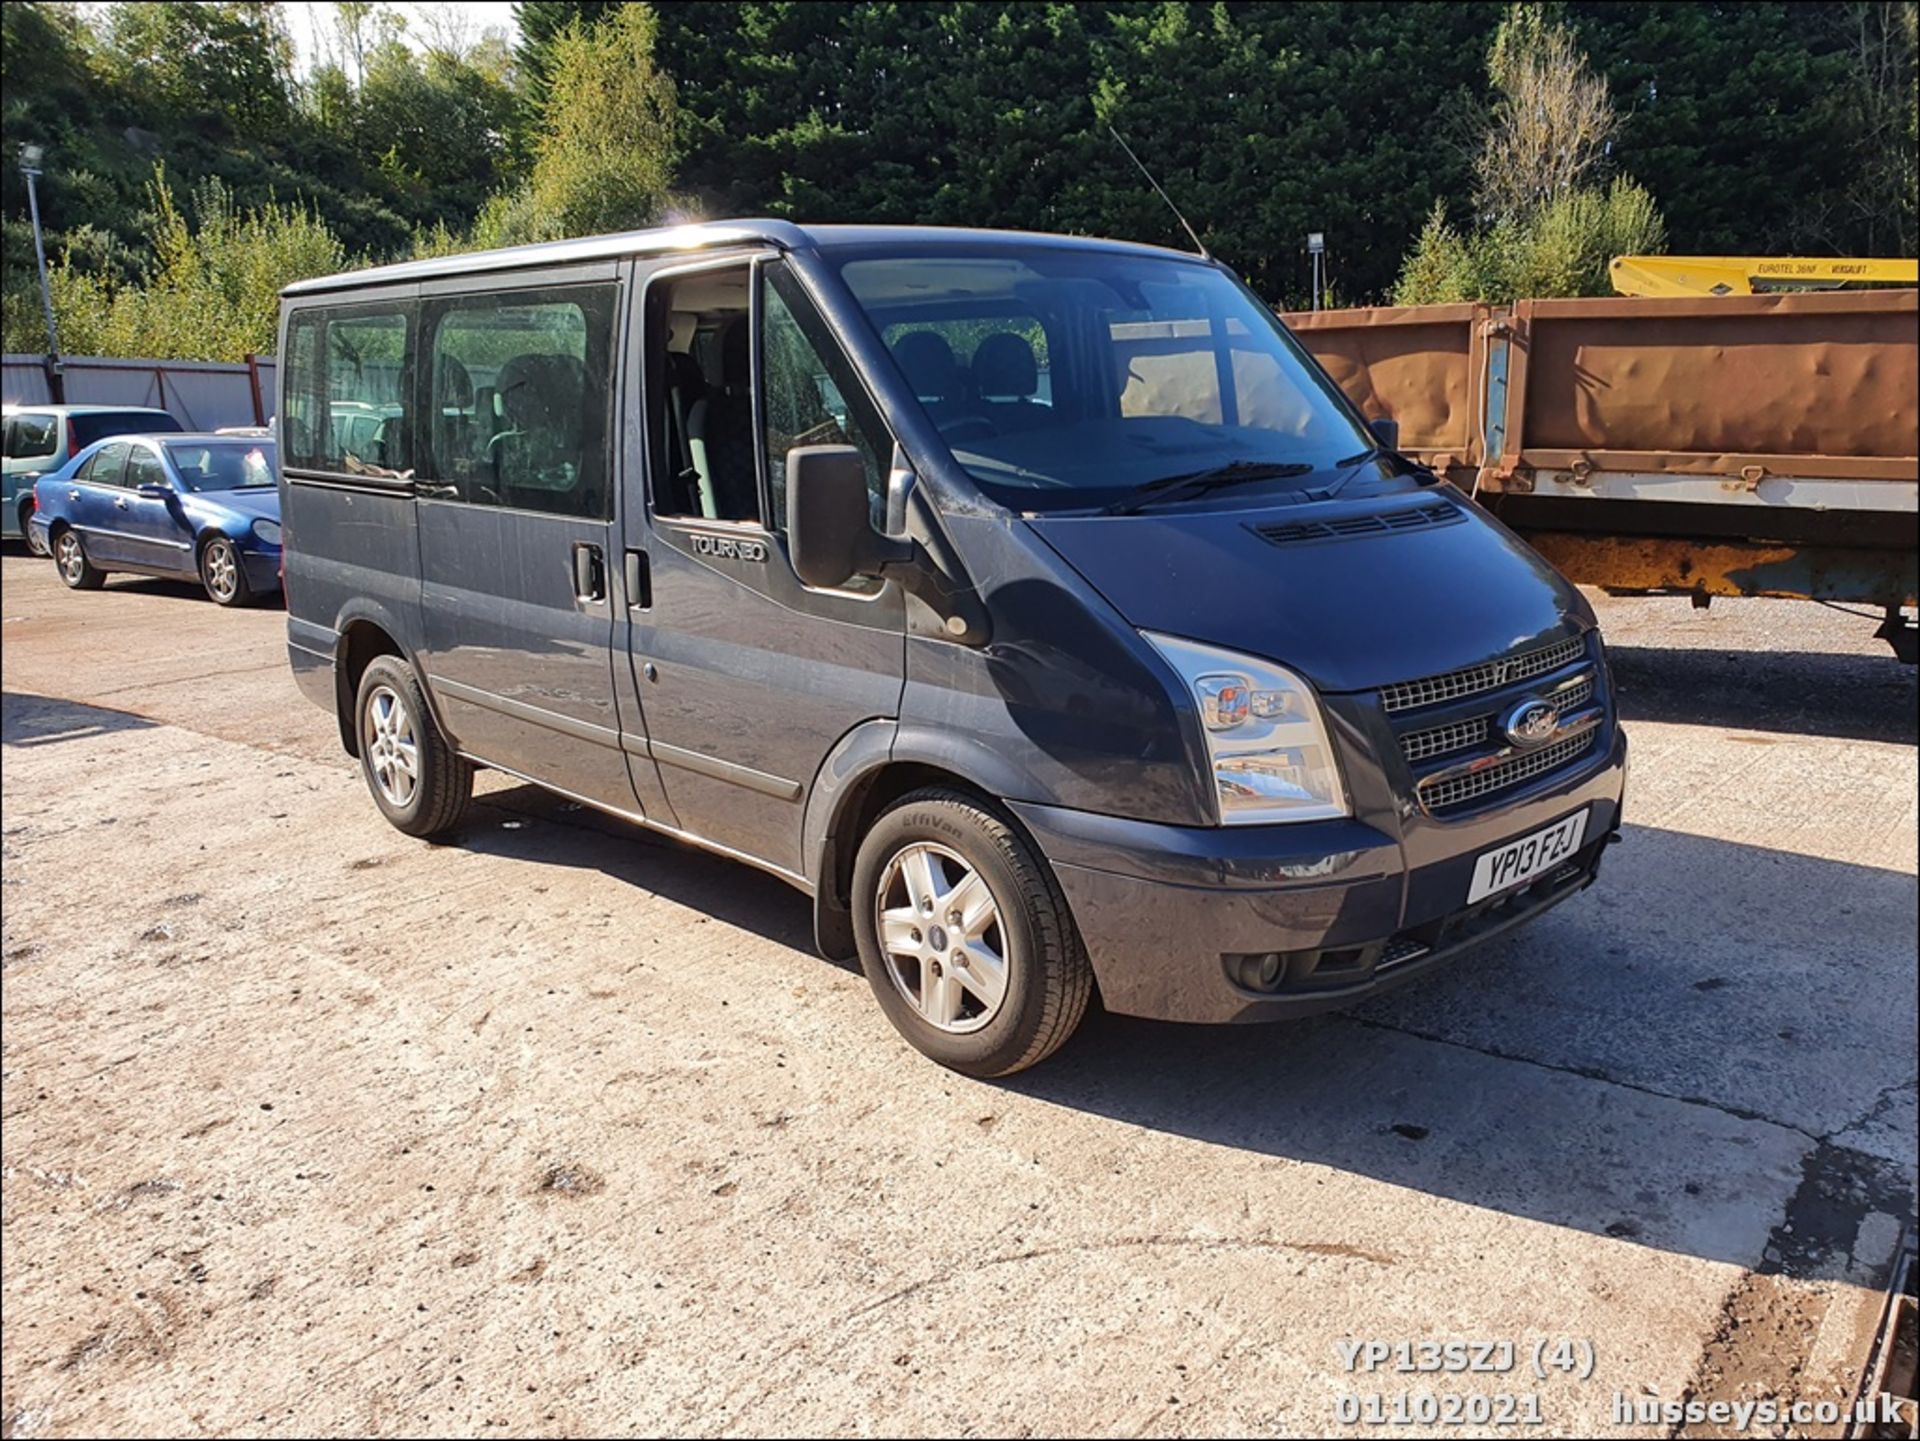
(1033, 604)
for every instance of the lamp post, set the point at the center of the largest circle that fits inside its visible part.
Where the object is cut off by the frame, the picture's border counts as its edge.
(1316, 247)
(30, 156)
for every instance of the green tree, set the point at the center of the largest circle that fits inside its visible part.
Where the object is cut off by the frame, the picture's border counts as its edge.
(604, 150)
(234, 60)
(1546, 226)
(540, 24)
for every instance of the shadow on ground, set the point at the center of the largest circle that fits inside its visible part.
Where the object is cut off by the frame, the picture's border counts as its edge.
(163, 588)
(527, 823)
(37, 720)
(1753, 1010)
(1854, 697)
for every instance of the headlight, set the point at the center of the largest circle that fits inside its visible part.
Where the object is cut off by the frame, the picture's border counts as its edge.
(267, 530)
(1266, 738)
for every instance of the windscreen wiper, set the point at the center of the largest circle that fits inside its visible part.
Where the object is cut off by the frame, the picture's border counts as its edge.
(1199, 482)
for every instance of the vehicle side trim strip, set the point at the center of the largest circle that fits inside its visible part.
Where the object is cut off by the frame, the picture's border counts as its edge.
(532, 714)
(368, 485)
(778, 787)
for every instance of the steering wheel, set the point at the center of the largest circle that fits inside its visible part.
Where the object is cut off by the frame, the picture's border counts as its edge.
(976, 427)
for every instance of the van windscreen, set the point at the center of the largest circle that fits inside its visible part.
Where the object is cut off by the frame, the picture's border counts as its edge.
(1066, 378)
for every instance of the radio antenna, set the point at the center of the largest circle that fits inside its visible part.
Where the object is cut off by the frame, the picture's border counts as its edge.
(1192, 234)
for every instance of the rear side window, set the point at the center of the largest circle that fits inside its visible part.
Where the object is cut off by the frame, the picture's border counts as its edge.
(144, 468)
(31, 437)
(346, 405)
(107, 465)
(98, 425)
(519, 399)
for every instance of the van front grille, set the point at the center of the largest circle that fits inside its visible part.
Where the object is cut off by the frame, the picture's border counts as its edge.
(1491, 675)
(1444, 740)
(1446, 793)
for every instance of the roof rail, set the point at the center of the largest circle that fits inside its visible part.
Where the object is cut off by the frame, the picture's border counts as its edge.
(783, 233)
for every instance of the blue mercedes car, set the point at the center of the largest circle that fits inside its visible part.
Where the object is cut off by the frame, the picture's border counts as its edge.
(204, 507)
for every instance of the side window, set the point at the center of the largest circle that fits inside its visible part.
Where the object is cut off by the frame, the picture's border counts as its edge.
(144, 468)
(349, 370)
(108, 464)
(30, 437)
(302, 402)
(812, 397)
(519, 401)
(700, 411)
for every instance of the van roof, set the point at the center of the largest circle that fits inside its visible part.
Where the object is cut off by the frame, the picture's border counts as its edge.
(712, 235)
(14, 407)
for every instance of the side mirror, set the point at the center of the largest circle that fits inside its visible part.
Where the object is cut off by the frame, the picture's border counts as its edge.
(1386, 430)
(830, 534)
(153, 490)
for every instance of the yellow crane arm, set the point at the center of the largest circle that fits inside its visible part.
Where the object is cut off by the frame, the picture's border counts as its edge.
(1749, 275)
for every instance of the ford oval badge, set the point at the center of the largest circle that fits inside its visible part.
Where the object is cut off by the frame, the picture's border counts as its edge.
(1532, 723)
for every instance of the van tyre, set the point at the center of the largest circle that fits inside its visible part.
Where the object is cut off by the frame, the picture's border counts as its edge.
(417, 780)
(966, 937)
(70, 559)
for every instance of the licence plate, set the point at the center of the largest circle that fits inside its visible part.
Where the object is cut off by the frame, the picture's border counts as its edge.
(1518, 862)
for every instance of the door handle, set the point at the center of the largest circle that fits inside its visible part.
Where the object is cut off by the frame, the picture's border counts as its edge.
(119, 502)
(639, 581)
(589, 572)
(73, 495)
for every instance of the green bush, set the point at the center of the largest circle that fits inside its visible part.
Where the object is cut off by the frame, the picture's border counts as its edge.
(212, 289)
(1562, 248)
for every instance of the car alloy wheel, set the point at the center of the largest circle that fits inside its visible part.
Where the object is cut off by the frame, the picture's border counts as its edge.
(939, 926)
(71, 557)
(393, 753)
(222, 571)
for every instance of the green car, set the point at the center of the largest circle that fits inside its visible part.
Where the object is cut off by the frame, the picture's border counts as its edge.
(42, 438)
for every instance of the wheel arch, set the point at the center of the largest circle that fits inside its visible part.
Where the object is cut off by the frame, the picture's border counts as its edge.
(871, 767)
(365, 633)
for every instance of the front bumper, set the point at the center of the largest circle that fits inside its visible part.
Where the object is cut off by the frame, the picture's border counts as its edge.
(1163, 909)
(263, 570)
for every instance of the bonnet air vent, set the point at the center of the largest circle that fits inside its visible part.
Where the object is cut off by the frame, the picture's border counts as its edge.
(1419, 517)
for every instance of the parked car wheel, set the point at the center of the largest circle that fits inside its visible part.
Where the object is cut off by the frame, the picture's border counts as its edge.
(70, 559)
(417, 780)
(34, 547)
(221, 572)
(965, 936)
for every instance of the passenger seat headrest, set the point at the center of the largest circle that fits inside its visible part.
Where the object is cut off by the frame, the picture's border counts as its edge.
(543, 390)
(456, 383)
(929, 365)
(1004, 367)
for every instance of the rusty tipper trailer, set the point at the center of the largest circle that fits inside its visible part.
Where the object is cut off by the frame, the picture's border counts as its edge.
(1729, 445)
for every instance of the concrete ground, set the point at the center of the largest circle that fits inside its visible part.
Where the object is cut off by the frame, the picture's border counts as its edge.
(311, 1128)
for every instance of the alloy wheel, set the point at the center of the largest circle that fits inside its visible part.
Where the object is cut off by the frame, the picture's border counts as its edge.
(939, 926)
(70, 557)
(393, 753)
(223, 571)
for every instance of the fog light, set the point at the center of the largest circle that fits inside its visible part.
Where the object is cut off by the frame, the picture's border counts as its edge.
(1260, 971)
